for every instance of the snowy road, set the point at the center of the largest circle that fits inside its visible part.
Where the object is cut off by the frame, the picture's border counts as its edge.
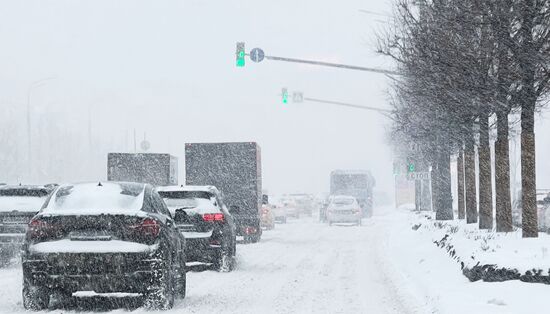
(308, 267)
(301, 267)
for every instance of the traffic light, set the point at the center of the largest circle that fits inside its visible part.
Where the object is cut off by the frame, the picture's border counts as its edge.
(411, 167)
(240, 54)
(284, 95)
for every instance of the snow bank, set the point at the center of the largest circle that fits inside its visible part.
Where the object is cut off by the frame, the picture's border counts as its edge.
(421, 269)
(488, 255)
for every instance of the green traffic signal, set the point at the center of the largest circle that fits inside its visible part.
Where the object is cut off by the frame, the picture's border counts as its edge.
(240, 54)
(411, 167)
(284, 94)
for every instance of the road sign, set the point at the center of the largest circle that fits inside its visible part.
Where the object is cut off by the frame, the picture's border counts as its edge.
(257, 55)
(297, 97)
(418, 176)
(145, 145)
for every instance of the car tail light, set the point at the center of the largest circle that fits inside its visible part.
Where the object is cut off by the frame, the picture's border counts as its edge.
(249, 230)
(147, 227)
(213, 217)
(40, 229)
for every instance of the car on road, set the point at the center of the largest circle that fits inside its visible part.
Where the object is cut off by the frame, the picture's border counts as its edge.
(279, 213)
(18, 204)
(291, 208)
(305, 203)
(267, 218)
(204, 220)
(103, 237)
(344, 209)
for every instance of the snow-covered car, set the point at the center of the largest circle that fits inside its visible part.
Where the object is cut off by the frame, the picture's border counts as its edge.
(291, 208)
(103, 237)
(267, 219)
(344, 209)
(305, 203)
(18, 204)
(279, 213)
(202, 217)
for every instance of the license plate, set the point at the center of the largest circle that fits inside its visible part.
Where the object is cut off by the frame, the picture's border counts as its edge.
(90, 236)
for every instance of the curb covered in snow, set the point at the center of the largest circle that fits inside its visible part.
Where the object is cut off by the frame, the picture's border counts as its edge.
(487, 269)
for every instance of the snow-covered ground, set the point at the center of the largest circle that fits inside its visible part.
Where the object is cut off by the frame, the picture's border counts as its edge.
(307, 267)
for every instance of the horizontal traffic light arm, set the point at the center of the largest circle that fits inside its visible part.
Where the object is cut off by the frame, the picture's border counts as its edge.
(334, 65)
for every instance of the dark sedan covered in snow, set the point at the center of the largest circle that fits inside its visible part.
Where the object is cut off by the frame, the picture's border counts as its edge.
(103, 237)
(18, 204)
(209, 229)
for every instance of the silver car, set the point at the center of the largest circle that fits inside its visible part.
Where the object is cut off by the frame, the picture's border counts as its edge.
(344, 209)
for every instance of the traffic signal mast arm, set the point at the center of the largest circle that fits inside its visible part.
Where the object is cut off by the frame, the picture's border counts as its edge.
(334, 65)
(382, 111)
(258, 55)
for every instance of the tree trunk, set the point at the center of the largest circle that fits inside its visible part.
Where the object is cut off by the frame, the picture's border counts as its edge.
(528, 173)
(445, 208)
(470, 180)
(435, 184)
(502, 175)
(460, 183)
(417, 195)
(485, 176)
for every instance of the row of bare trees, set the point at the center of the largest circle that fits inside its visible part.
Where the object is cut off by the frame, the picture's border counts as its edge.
(466, 65)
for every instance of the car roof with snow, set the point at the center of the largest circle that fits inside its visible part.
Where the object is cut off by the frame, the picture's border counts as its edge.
(188, 188)
(351, 171)
(22, 198)
(25, 190)
(96, 198)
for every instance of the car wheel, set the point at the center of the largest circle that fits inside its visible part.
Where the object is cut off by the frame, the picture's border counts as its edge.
(162, 293)
(35, 297)
(224, 260)
(256, 238)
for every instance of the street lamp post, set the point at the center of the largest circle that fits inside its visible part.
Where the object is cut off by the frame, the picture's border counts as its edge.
(32, 87)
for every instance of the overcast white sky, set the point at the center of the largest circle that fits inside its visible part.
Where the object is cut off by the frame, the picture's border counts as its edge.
(167, 68)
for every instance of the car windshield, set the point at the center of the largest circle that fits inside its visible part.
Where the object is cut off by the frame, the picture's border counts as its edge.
(343, 201)
(186, 199)
(181, 202)
(92, 197)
